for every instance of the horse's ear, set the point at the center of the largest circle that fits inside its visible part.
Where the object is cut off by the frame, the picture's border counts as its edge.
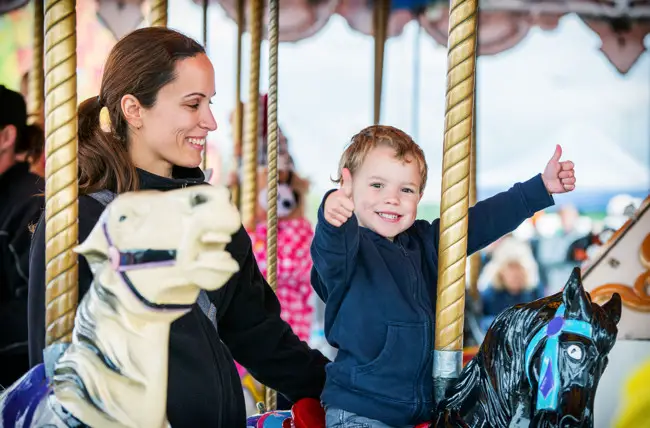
(613, 308)
(95, 247)
(576, 301)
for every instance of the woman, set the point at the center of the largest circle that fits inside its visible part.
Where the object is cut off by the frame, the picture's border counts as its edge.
(509, 278)
(156, 89)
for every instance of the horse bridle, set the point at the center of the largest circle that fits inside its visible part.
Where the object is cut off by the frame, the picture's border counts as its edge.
(548, 386)
(125, 261)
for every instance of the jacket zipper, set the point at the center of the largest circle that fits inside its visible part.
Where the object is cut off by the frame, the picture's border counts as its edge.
(425, 353)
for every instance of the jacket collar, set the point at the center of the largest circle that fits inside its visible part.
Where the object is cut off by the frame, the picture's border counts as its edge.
(181, 177)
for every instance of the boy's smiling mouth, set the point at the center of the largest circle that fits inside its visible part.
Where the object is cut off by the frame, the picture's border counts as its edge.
(388, 216)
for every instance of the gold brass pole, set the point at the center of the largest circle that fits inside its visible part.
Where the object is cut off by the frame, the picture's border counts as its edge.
(61, 188)
(452, 252)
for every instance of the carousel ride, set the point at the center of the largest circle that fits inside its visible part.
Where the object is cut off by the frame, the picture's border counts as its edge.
(593, 325)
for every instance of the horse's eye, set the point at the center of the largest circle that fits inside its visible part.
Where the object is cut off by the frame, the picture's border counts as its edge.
(122, 218)
(575, 352)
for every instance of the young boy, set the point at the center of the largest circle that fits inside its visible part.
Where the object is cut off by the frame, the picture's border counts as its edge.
(376, 269)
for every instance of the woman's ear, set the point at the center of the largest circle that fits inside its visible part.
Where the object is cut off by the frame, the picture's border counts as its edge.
(132, 110)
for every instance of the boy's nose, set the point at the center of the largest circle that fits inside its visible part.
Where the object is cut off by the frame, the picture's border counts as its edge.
(392, 199)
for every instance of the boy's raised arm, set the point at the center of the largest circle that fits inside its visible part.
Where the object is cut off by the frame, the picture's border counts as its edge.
(494, 217)
(336, 242)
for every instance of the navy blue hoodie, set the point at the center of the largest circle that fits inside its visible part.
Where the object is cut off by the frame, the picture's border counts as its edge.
(380, 304)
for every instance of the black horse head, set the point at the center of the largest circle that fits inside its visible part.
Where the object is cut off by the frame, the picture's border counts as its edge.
(539, 364)
(567, 356)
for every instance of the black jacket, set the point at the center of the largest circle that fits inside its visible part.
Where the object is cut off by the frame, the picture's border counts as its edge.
(19, 207)
(204, 386)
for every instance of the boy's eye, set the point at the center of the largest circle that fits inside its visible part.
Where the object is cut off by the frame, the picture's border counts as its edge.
(407, 190)
(375, 185)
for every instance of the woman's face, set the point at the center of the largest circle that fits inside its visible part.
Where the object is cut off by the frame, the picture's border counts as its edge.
(513, 276)
(174, 130)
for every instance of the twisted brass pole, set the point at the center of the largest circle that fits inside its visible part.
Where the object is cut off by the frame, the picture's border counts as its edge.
(272, 183)
(381, 12)
(158, 13)
(452, 251)
(238, 125)
(61, 189)
(249, 194)
(36, 84)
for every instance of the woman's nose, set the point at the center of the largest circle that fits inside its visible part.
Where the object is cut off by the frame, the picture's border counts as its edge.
(209, 122)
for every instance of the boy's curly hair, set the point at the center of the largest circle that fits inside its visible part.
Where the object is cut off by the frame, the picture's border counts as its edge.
(382, 135)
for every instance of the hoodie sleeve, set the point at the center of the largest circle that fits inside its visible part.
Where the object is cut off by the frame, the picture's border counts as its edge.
(251, 328)
(494, 217)
(333, 252)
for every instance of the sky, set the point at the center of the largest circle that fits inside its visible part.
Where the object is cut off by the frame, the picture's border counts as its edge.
(555, 87)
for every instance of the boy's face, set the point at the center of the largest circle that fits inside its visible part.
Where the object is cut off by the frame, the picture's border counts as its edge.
(386, 192)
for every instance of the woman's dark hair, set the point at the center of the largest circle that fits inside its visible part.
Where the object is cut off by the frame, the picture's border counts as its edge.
(139, 64)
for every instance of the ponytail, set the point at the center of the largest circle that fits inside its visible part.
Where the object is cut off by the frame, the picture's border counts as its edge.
(104, 161)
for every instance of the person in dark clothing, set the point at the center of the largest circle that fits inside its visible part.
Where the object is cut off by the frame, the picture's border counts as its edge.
(19, 208)
(509, 278)
(376, 268)
(155, 116)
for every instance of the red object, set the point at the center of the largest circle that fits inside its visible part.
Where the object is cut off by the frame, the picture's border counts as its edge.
(308, 413)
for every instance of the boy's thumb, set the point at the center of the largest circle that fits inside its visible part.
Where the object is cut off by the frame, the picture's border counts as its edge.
(347, 182)
(558, 153)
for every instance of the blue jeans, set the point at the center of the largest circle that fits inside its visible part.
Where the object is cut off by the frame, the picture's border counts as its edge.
(337, 418)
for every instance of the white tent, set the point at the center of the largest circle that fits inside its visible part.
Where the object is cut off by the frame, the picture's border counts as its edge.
(600, 163)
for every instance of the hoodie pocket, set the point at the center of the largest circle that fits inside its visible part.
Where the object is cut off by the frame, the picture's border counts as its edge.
(394, 374)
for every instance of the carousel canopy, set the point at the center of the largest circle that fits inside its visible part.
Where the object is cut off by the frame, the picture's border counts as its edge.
(621, 24)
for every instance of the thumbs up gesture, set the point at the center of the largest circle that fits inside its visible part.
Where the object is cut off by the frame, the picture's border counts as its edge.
(559, 177)
(338, 205)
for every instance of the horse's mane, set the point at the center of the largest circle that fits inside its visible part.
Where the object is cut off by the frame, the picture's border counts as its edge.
(498, 368)
(99, 303)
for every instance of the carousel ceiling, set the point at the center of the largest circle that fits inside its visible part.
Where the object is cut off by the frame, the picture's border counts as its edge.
(621, 24)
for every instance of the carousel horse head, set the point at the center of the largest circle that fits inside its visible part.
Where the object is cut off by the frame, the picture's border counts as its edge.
(164, 246)
(540, 363)
(151, 254)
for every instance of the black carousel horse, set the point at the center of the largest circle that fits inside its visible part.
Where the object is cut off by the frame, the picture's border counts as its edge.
(538, 366)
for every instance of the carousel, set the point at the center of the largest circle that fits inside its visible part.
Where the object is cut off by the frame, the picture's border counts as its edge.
(610, 291)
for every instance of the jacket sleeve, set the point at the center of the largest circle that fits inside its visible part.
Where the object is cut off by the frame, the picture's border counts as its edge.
(494, 217)
(251, 328)
(333, 252)
(89, 212)
(16, 235)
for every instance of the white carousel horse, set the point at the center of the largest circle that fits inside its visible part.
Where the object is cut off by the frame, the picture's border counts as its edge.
(151, 254)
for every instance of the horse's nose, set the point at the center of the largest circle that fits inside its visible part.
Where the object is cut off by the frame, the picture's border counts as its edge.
(198, 199)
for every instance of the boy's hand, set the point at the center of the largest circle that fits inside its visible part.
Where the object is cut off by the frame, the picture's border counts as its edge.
(559, 177)
(338, 205)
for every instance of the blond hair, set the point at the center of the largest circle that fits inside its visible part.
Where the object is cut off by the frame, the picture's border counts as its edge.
(510, 250)
(381, 135)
